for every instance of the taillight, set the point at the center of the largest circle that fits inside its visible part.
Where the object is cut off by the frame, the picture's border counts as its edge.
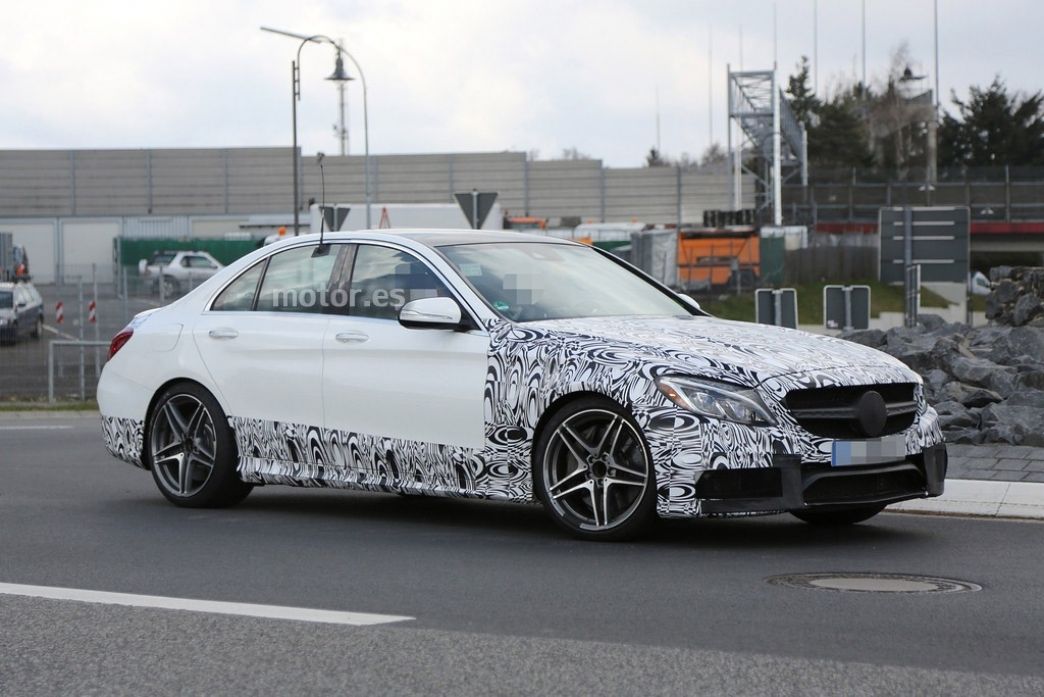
(119, 340)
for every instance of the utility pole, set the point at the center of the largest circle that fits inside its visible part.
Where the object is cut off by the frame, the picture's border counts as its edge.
(775, 36)
(863, 83)
(710, 85)
(777, 174)
(815, 46)
(741, 46)
(342, 130)
(658, 150)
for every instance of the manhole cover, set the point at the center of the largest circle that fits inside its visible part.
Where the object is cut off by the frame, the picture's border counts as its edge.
(873, 583)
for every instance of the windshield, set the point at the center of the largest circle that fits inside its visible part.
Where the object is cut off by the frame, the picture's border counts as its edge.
(6, 300)
(161, 259)
(529, 281)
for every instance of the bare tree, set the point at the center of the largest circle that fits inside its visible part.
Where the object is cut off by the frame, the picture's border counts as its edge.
(573, 153)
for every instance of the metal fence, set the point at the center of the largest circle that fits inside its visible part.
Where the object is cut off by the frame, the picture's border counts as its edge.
(64, 363)
(850, 196)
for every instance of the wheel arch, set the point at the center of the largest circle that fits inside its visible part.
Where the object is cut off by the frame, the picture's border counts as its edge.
(145, 458)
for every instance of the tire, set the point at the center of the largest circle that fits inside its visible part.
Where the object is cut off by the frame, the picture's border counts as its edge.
(191, 449)
(170, 287)
(37, 328)
(839, 517)
(593, 471)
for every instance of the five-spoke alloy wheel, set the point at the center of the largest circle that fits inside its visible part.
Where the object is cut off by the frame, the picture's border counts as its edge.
(593, 471)
(191, 449)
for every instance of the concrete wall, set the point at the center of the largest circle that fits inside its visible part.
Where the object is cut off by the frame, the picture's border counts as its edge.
(243, 181)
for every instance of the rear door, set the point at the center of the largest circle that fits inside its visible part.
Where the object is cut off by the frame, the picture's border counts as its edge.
(262, 338)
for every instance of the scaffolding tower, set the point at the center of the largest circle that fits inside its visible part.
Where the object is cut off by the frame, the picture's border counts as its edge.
(768, 133)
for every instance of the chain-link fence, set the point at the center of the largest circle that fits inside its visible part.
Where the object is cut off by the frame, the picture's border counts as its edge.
(62, 359)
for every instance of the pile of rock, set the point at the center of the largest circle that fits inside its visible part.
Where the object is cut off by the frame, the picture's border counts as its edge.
(1018, 295)
(987, 383)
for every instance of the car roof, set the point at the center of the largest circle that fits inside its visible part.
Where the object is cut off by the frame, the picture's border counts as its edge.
(434, 237)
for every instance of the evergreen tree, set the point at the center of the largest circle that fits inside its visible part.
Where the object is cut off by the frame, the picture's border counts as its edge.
(837, 132)
(655, 159)
(803, 100)
(993, 127)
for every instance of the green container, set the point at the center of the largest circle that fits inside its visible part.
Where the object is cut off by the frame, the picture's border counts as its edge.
(129, 250)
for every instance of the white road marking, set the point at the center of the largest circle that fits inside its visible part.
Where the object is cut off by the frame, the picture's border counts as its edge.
(64, 335)
(275, 612)
(34, 428)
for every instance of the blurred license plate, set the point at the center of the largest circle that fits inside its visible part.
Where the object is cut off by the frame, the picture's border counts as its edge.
(868, 452)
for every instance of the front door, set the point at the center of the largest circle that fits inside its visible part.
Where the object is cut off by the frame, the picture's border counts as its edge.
(418, 386)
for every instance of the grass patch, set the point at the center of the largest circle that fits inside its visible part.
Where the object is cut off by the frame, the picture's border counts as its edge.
(883, 298)
(44, 406)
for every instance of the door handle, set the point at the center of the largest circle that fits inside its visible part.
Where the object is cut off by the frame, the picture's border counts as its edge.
(223, 333)
(352, 337)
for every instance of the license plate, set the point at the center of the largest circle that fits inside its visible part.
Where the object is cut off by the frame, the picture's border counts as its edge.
(868, 452)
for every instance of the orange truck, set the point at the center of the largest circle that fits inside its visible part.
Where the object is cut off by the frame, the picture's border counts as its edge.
(709, 257)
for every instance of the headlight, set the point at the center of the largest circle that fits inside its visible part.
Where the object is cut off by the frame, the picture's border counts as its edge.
(718, 400)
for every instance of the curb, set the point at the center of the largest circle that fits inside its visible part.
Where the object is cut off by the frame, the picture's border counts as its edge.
(49, 414)
(981, 498)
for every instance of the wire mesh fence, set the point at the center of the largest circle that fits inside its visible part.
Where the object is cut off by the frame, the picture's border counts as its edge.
(62, 359)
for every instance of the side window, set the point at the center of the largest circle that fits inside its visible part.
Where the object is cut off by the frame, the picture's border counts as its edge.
(239, 295)
(198, 262)
(385, 279)
(296, 281)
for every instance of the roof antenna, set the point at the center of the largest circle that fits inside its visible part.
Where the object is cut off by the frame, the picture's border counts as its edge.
(323, 249)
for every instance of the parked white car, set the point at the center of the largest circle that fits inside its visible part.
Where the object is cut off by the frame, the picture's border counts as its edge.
(506, 366)
(178, 271)
(978, 284)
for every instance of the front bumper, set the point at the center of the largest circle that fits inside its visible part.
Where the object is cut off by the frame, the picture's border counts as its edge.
(791, 485)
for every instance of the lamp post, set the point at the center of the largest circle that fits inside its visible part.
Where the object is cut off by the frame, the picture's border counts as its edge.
(339, 76)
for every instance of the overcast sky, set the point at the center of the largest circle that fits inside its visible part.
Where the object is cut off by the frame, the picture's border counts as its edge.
(457, 75)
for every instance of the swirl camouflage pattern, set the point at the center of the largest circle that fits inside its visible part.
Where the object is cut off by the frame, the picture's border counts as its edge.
(533, 366)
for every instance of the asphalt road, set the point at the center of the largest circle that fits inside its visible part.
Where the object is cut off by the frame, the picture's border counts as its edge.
(503, 603)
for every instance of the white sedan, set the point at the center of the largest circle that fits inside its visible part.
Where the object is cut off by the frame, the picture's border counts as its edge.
(512, 367)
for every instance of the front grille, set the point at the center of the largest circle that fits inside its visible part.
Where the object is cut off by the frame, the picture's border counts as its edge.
(830, 412)
(840, 487)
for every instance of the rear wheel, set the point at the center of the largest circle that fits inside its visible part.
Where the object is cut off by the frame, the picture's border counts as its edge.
(593, 471)
(844, 516)
(192, 450)
(170, 286)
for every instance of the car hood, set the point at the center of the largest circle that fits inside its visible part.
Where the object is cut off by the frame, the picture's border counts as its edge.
(750, 353)
(6, 313)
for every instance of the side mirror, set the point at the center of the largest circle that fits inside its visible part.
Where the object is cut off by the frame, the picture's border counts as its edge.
(22, 305)
(431, 313)
(690, 301)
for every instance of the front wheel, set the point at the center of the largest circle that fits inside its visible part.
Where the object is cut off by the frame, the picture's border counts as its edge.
(593, 471)
(37, 328)
(844, 516)
(192, 451)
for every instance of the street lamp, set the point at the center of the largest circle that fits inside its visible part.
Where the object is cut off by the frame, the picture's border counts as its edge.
(340, 76)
